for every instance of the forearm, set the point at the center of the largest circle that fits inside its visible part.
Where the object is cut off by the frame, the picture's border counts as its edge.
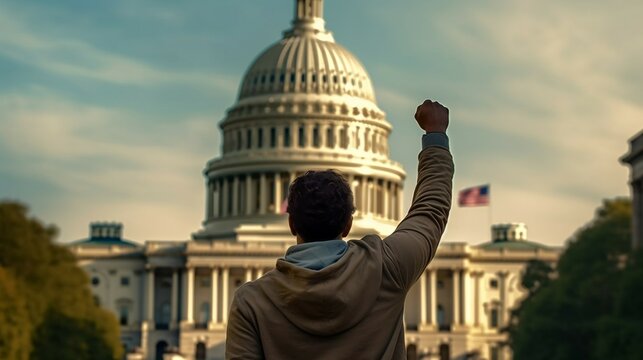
(416, 238)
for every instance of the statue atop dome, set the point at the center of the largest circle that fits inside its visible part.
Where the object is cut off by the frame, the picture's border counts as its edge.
(309, 20)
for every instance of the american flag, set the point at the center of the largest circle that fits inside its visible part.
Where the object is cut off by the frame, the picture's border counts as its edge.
(474, 196)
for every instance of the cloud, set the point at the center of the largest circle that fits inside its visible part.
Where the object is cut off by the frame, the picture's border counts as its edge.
(100, 171)
(74, 58)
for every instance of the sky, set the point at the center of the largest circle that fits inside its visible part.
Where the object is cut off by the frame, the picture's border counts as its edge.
(109, 110)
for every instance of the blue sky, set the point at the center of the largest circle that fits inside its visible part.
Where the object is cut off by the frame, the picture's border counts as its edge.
(109, 110)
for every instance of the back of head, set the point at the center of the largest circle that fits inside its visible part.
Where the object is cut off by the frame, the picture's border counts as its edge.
(320, 204)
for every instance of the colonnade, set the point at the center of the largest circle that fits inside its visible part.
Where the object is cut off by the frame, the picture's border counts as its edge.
(309, 134)
(465, 311)
(219, 294)
(266, 193)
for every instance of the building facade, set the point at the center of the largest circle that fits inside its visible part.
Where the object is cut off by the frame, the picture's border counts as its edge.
(635, 160)
(305, 103)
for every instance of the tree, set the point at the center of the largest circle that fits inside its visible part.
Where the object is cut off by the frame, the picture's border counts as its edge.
(582, 312)
(58, 311)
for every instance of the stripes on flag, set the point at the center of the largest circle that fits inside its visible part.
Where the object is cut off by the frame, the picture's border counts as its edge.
(474, 196)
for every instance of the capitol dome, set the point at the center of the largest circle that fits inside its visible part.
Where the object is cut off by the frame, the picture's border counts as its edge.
(305, 103)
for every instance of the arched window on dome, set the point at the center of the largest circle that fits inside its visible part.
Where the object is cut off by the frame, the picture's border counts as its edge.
(287, 136)
(302, 136)
(249, 139)
(239, 144)
(367, 140)
(260, 138)
(330, 137)
(316, 137)
(273, 137)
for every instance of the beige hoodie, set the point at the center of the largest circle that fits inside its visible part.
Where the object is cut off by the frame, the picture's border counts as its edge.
(353, 308)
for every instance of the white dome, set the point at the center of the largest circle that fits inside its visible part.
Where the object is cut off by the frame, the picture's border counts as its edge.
(307, 63)
(304, 103)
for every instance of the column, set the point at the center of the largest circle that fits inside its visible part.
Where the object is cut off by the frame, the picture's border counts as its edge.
(248, 274)
(208, 203)
(175, 299)
(294, 134)
(225, 194)
(308, 130)
(259, 272)
(323, 132)
(280, 137)
(386, 199)
(400, 202)
(456, 297)
(224, 294)
(214, 296)
(263, 194)
(189, 304)
(433, 285)
(150, 296)
(423, 298)
(465, 304)
(502, 280)
(278, 195)
(476, 300)
(235, 196)
(364, 205)
(250, 195)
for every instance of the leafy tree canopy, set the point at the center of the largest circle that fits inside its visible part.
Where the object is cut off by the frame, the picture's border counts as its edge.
(50, 309)
(591, 308)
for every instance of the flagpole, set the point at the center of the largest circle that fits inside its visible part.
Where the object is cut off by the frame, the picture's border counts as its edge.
(490, 212)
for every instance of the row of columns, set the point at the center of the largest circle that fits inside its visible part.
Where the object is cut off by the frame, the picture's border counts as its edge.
(306, 135)
(461, 279)
(244, 195)
(219, 285)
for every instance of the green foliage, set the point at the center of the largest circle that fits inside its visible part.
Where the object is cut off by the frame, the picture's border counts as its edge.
(15, 335)
(56, 313)
(592, 308)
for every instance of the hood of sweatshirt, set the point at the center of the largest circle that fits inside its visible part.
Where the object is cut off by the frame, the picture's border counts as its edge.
(334, 298)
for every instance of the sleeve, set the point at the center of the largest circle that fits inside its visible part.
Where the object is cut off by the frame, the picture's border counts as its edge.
(409, 249)
(242, 337)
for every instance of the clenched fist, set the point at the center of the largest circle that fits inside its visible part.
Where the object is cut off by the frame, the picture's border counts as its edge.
(432, 116)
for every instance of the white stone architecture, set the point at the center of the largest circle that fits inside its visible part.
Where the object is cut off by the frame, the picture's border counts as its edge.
(305, 103)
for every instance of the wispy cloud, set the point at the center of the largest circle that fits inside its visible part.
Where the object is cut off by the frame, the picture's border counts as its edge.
(86, 153)
(75, 58)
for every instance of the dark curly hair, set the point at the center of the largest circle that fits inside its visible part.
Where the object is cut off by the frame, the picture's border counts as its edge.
(320, 204)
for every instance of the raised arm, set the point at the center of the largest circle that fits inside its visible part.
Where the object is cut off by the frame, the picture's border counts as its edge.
(414, 243)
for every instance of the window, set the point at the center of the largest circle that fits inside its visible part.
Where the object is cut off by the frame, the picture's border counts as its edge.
(330, 138)
(249, 139)
(161, 346)
(239, 140)
(302, 137)
(260, 138)
(493, 283)
(201, 351)
(494, 318)
(204, 313)
(164, 315)
(316, 139)
(204, 281)
(95, 281)
(442, 321)
(124, 281)
(273, 137)
(287, 137)
(124, 307)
